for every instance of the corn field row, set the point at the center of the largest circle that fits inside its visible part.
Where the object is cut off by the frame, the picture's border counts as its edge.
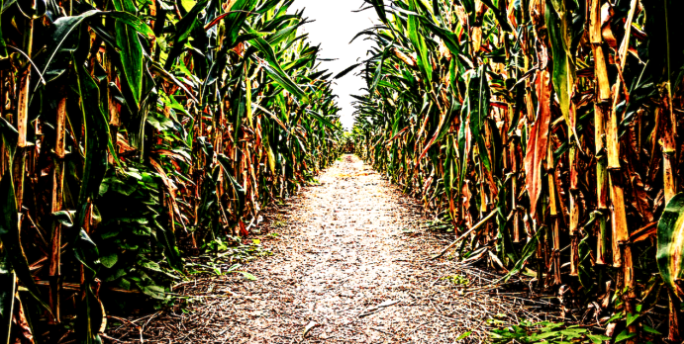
(547, 133)
(137, 131)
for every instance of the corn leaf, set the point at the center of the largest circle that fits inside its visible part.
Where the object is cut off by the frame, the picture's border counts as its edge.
(670, 253)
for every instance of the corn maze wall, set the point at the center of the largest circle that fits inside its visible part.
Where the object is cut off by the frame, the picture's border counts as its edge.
(557, 122)
(134, 132)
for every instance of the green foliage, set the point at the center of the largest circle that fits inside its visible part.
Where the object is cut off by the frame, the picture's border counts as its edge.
(671, 244)
(145, 132)
(546, 332)
(457, 280)
(8, 284)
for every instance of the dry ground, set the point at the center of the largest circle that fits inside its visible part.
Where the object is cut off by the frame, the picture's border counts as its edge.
(349, 265)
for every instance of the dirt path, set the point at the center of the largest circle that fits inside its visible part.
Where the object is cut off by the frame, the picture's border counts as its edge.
(348, 266)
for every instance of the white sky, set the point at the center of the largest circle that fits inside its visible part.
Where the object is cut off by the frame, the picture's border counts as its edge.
(335, 25)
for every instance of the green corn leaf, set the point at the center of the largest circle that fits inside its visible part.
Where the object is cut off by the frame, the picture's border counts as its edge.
(462, 143)
(97, 135)
(131, 54)
(3, 47)
(280, 36)
(64, 26)
(237, 188)
(11, 239)
(90, 317)
(378, 70)
(670, 253)
(98, 140)
(347, 71)
(449, 38)
(321, 119)
(478, 105)
(8, 285)
(379, 6)
(168, 241)
(132, 21)
(500, 15)
(9, 136)
(418, 42)
(267, 6)
(560, 62)
(234, 21)
(275, 71)
(527, 252)
(507, 249)
(183, 29)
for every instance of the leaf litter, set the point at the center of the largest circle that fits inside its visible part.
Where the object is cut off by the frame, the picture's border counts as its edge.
(343, 270)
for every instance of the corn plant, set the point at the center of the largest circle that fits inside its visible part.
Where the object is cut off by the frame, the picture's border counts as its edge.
(555, 122)
(134, 132)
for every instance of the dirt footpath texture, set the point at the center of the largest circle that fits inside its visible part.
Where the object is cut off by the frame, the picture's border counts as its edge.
(350, 264)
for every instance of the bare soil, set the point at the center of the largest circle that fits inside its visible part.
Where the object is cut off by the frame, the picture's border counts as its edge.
(350, 264)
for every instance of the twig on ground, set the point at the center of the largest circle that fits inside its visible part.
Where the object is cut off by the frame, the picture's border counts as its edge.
(475, 227)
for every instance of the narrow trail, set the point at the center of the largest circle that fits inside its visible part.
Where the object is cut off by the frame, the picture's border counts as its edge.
(348, 266)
